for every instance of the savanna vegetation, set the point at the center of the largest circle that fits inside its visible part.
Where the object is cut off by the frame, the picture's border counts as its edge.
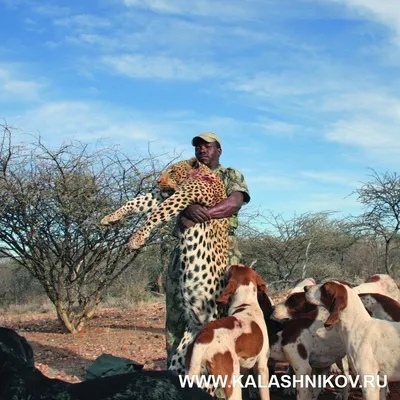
(52, 246)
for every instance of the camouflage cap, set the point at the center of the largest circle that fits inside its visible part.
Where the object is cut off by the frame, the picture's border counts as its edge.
(207, 137)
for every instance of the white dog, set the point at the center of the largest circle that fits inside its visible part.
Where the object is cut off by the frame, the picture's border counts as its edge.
(372, 345)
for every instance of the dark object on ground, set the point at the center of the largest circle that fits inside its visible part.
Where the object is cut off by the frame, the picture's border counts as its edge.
(17, 344)
(19, 380)
(109, 365)
(146, 385)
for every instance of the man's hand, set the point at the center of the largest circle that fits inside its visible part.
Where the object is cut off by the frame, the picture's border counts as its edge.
(192, 215)
(197, 213)
(184, 223)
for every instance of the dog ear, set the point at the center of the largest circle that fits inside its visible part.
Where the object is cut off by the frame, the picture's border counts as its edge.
(334, 296)
(227, 293)
(261, 285)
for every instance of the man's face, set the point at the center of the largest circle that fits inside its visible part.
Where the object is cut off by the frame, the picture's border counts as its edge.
(207, 153)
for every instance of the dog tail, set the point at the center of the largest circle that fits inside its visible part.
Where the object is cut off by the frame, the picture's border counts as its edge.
(194, 359)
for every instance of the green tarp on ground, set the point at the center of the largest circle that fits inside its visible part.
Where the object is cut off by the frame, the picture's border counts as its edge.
(108, 365)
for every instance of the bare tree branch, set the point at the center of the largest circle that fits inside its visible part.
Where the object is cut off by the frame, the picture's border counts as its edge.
(51, 202)
(380, 198)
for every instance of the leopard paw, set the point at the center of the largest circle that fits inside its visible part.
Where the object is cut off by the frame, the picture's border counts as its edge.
(109, 220)
(136, 242)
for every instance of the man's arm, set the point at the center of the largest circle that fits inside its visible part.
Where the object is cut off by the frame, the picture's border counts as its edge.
(225, 209)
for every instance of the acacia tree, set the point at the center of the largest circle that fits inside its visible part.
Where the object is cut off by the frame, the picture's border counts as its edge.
(380, 198)
(284, 247)
(51, 202)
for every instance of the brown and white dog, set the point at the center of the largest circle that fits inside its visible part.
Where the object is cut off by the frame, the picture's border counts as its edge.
(381, 307)
(379, 283)
(240, 340)
(299, 287)
(295, 302)
(378, 295)
(305, 343)
(371, 344)
(294, 306)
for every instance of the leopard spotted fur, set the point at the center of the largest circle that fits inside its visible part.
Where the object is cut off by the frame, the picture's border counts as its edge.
(203, 247)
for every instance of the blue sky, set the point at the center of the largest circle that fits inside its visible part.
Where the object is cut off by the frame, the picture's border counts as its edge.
(304, 94)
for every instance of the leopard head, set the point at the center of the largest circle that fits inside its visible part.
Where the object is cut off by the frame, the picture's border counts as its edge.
(173, 176)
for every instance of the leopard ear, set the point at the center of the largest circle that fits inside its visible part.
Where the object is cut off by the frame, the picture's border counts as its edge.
(194, 162)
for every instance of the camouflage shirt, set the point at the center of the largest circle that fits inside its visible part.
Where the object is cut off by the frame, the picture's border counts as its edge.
(234, 182)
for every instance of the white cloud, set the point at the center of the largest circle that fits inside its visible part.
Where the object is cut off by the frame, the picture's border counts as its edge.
(103, 43)
(234, 9)
(29, 21)
(11, 3)
(83, 21)
(168, 132)
(327, 201)
(159, 67)
(12, 84)
(51, 44)
(339, 178)
(81, 120)
(277, 127)
(309, 180)
(373, 100)
(274, 85)
(349, 106)
(301, 76)
(27, 89)
(367, 134)
(89, 121)
(369, 120)
(274, 182)
(51, 10)
(386, 12)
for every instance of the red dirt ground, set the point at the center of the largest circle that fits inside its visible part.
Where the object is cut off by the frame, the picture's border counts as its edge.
(137, 334)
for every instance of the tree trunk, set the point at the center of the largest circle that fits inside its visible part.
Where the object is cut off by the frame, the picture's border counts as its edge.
(303, 275)
(164, 260)
(72, 322)
(64, 319)
(159, 282)
(387, 251)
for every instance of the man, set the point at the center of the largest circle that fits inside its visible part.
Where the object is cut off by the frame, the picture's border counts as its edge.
(208, 150)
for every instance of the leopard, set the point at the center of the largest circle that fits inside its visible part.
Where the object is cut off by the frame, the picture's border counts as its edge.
(203, 247)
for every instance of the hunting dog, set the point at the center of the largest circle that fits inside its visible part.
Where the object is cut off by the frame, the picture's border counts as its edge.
(372, 345)
(239, 340)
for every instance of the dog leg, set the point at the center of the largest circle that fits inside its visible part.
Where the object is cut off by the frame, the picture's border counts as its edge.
(263, 373)
(302, 368)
